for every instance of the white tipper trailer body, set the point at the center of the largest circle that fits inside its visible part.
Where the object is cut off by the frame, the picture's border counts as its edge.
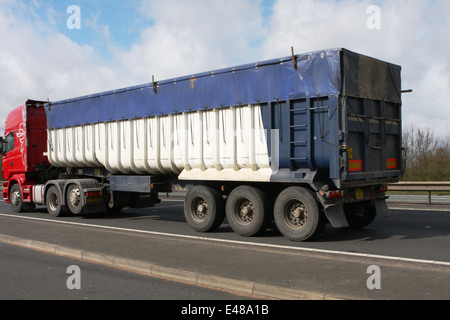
(217, 144)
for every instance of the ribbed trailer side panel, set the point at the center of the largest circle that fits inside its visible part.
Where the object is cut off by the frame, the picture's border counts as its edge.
(216, 140)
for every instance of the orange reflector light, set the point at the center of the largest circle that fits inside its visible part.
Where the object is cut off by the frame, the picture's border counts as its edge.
(355, 165)
(93, 194)
(391, 163)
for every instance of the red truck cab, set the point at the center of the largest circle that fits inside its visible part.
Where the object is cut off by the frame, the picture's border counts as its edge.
(23, 148)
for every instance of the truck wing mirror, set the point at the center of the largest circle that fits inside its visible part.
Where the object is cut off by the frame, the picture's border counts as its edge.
(2, 146)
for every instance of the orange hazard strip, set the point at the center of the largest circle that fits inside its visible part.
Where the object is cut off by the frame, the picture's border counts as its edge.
(391, 163)
(355, 165)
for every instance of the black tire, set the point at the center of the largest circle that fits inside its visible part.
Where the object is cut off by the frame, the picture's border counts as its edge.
(53, 202)
(204, 208)
(248, 211)
(111, 207)
(15, 199)
(74, 199)
(359, 215)
(297, 214)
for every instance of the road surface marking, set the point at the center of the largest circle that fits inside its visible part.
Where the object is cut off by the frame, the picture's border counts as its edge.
(262, 245)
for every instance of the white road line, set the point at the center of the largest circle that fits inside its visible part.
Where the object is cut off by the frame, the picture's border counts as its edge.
(393, 207)
(264, 245)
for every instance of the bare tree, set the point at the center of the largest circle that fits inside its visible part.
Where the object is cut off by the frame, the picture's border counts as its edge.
(427, 158)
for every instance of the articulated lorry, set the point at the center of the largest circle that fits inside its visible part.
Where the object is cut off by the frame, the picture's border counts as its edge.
(303, 140)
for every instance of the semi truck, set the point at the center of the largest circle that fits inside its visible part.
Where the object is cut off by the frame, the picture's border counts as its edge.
(301, 141)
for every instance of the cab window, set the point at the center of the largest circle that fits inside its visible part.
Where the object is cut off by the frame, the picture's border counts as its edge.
(9, 142)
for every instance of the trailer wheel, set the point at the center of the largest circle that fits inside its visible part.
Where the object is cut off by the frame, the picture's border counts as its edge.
(297, 214)
(53, 202)
(359, 215)
(204, 208)
(248, 211)
(74, 200)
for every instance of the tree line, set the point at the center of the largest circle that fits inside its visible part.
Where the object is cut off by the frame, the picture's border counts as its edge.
(426, 156)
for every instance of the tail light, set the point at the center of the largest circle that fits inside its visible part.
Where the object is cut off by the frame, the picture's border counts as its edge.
(93, 194)
(334, 194)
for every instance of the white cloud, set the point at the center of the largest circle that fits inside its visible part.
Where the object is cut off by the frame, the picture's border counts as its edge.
(194, 36)
(37, 62)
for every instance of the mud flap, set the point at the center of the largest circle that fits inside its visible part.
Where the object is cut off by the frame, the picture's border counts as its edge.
(381, 208)
(336, 215)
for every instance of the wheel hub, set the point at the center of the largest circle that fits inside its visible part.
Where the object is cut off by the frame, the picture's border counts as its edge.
(74, 197)
(53, 202)
(200, 210)
(15, 198)
(246, 211)
(297, 214)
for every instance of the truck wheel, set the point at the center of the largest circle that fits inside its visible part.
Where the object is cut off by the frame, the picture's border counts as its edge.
(248, 211)
(54, 202)
(15, 198)
(359, 215)
(204, 208)
(73, 199)
(297, 214)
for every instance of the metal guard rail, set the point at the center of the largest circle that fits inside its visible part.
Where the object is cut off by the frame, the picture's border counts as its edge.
(421, 186)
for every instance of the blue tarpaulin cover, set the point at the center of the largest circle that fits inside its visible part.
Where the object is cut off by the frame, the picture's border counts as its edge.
(316, 74)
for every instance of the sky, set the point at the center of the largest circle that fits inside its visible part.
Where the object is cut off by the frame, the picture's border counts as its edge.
(58, 49)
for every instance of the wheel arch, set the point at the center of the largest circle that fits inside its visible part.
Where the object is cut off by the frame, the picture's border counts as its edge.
(15, 179)
(12, 183)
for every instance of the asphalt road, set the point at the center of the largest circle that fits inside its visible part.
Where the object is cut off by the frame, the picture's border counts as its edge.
(411, 247)
(413, 231)
(32, 275)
